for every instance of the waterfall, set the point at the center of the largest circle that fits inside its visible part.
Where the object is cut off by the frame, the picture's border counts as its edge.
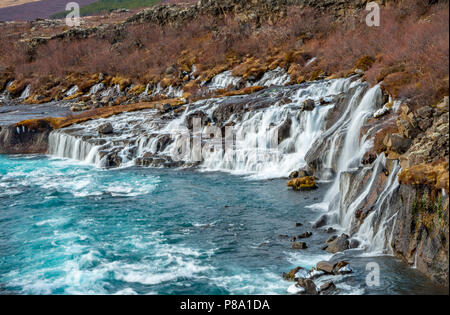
(256, 117)
(224, 80)
(26, 93)
(254, 152)
(325, 136)
(64, 145)
(74, 89)
(96, 88)
(353, 149)
(375, 228)
(276, 77)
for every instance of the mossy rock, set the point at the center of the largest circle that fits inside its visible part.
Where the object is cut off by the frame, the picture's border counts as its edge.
(303, 183)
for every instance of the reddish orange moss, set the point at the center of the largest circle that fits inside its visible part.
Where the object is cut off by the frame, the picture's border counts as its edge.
(434, 176)
(303, 183)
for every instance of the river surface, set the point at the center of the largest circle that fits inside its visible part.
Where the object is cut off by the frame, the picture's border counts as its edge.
(71, 228)
(14, 113)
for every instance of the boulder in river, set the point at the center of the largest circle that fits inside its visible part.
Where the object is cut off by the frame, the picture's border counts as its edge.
(308, 285)
(298, 245)
(305, 235)
(106, 129)
(325, 266)
(327, 287)
(290, 276)
(308, 105)
(299, 174)
(340, 244)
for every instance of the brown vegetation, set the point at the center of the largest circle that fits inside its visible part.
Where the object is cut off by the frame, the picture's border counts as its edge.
(435, 176)
(408, 52)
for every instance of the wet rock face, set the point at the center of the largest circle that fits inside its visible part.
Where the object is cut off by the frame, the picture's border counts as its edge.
(397, 143)
(327, 288)
(299, 245)
(106, 129)
(340, 244)
(16, 139)
(428, 129)
(308, 285)
(284, 132)
(290, 276)
(325, 266)
(308, 105)
(420, 236)
(321, 222)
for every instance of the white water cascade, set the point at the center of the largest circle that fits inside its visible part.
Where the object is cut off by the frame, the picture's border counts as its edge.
(142, 133)
(152, 137)
(68, 146)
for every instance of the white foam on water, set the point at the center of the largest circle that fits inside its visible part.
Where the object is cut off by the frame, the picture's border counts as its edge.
(266, 283)
(306, 260)
(127, 291)
(294, 289)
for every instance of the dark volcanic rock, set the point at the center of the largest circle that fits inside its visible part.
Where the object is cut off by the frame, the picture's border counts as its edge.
(106, 129)
(339, 245)
(308, 105)
(308, 285)
(322, 221)
(205, 120)
(305, 235)
(299, 245)
(354, 243)
(22, 139)
(284, 131)
(326, 288)
(325, 266)
(425, 245)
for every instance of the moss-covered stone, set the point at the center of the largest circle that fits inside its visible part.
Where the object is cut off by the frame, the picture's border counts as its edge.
(303, 183)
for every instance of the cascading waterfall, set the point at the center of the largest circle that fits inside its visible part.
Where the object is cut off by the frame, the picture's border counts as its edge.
(224, 80)
(26, 93)
(153, 134)
(276, 77)
(353, 149)
(252, 136)
(64, 145)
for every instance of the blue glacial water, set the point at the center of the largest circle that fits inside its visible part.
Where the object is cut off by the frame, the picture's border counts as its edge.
(69, 228)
